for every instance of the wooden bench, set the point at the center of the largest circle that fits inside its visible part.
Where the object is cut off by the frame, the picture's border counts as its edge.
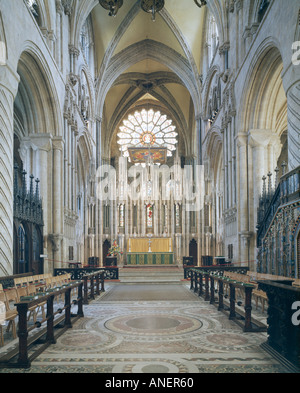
(8, 299)
(236, 277)
(25, 287)
(23, 306)
(235, 282)
(251, 278)
(260, 295)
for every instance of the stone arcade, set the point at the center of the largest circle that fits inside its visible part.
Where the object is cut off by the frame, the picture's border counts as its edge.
(171, 133)
(80, 90)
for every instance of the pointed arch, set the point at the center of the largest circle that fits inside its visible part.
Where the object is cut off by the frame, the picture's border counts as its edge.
(265, 96)
(37, 97)
(148, 49)
(3, 43)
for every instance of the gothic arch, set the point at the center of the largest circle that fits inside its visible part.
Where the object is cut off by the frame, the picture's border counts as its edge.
(86, 82)
(87, 6)
(208, 86)
(85, 153)
(48, 10)
(213, 149)
(219, 11)
(173, 112)
(37, 97)
(148, 49)
(266, 98)
(3, 48)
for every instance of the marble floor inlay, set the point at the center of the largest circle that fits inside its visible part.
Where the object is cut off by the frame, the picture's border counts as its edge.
(154, 336)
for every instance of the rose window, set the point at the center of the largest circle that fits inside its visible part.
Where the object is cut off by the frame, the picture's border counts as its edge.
(147, 129)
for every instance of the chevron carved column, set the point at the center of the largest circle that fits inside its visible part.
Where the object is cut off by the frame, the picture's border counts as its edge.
(293, 102)
(7, 96)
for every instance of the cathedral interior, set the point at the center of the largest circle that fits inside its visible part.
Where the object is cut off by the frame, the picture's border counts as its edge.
(154, 137)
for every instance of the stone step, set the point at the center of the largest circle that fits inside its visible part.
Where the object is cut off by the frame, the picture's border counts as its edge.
(147, 274)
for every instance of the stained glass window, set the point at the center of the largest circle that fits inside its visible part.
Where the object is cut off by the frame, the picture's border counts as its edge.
(147, 128)
(121, 216)
(149, 218)
(177, 215)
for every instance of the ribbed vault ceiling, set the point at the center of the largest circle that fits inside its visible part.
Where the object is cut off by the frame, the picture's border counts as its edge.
(141, 61)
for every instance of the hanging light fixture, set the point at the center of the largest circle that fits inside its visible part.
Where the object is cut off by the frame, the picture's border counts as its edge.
(111, 5)
(200, 3)
(152, 6)
(149, 6)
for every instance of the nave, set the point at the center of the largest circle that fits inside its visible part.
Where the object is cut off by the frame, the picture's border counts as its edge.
(155, 328)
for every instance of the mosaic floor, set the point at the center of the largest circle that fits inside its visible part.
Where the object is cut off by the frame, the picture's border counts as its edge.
(148, 329)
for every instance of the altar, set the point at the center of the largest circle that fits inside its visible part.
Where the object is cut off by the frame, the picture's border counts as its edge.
(150, 251)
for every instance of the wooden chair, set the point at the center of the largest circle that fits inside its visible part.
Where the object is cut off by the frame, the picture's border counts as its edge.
(40, 307)
(11, 297)
(2, 316)
(1, 288)
(22, 292)
(59, 281)
(20, 281)
(296, 282)
(260, 295)
(30, 280)
(48, 283)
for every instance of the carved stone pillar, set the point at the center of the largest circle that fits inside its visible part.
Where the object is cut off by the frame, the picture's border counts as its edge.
(42, 145)
(293, 125)
(178, 255)
(243, 196)
(258, 141)
(57, 198)
(8, 90)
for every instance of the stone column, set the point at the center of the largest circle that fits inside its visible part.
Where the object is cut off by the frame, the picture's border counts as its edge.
(178, 257)
(258, 141)
(293, 104)
(240, 40)
(59, 16)
(243, 197)
(42, 145)
(99, 221)
(230, 154)
(8, 92)
(199, 139)
(57, 201)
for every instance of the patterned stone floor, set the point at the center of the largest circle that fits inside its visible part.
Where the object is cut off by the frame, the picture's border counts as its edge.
(150, 329)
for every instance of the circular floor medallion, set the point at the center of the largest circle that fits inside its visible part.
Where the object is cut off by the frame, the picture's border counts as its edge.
(155, 369)
(81, 340)
(153, 324)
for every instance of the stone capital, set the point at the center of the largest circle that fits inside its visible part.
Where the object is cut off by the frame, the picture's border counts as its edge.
(59, 7)
(56, 240)
(262, 138)
(246, 236)
(247, 32)
(40, 141)
(57, 143)
(239, 5)
(241, 140)
(25, 144)
(198, 117)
